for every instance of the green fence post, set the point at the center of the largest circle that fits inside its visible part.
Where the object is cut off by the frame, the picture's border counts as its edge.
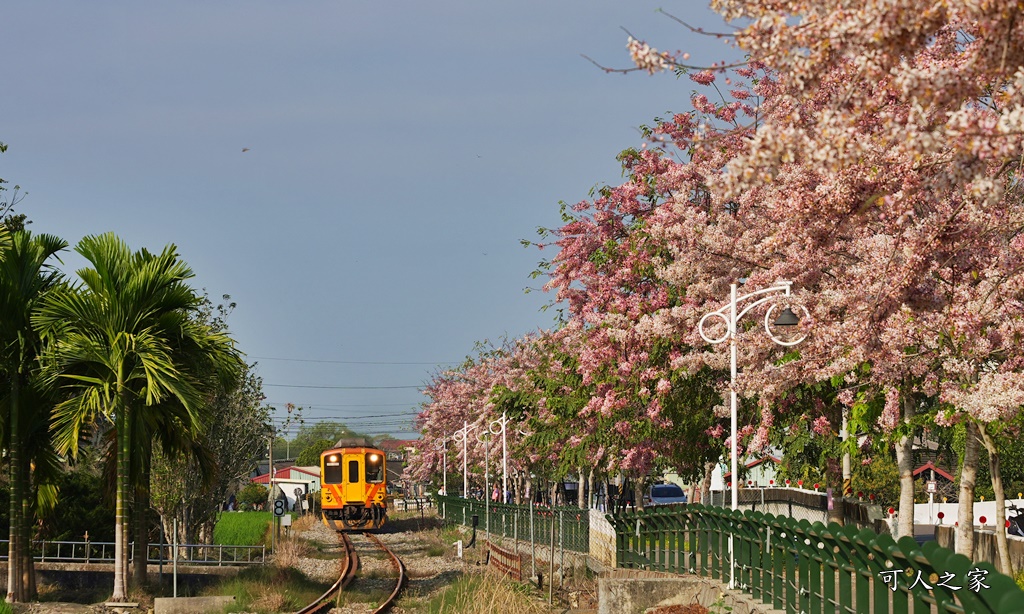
(815, 565)
(779, 553)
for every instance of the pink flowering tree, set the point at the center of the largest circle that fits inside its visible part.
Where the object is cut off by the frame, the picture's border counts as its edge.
(882, 177)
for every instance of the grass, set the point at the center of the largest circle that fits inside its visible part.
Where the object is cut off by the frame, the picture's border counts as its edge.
(267, 590)
(485, 594)
(244, 528)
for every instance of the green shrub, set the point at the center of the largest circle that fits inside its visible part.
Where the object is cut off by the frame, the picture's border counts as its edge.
(251, 495)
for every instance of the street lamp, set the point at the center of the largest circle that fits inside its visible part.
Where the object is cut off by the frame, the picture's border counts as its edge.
(501, 424)
(485, 438)
(463, 435)
(443, 447)
(730, 316)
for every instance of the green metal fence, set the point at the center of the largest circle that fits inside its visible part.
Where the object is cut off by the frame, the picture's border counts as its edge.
(812, 568)
(571, 525)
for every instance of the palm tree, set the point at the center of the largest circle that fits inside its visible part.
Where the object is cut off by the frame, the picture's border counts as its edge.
(25, 277)
(124, 341)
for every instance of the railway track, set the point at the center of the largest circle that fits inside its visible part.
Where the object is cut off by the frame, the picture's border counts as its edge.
(349, 569)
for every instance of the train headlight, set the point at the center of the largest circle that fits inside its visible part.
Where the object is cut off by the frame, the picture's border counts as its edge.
(333, 458)
(374, 458)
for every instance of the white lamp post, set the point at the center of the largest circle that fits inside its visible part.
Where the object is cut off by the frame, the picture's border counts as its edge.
(443, 447)
(501, 424)
(463, 435)
(730, 316)
(485, 438)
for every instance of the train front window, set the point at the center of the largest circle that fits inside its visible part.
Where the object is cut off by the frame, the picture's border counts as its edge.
(353, 472)
(332, 469)
(374, 468)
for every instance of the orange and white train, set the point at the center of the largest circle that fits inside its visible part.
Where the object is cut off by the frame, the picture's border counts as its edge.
(353, 487)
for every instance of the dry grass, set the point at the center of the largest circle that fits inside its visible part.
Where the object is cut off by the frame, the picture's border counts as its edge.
(270, 599)
(304, 523)
(487, 594)
(288, 552)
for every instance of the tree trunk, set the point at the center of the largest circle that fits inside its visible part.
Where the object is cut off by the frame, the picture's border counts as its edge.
(120, 592)
(905, 465)
(968, 477)
(1002, 547)
(638, 494)
(581, 500)
(705, 487)
(14, 545)
(591, 499)
(141, 524)
(28, 580)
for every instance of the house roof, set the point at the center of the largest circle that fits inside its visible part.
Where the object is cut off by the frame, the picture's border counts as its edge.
(931, 465)
(286, 473)
(758, 461)
(395, 445)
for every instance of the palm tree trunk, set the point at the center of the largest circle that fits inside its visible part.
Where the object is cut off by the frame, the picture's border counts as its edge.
(120, 547)
(965, 508)
(14, 544)
(141, 522)
(1002, 547)
(28, 580)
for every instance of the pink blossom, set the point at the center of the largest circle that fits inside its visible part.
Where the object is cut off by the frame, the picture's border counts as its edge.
(704, 77)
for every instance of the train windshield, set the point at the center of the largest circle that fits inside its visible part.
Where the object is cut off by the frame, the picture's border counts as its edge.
(374, 468)
(332, 469)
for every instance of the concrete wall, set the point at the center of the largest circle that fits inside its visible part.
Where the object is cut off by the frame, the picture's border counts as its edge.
(984, 546)
(631, 591)
(928, 512)
(602, 539)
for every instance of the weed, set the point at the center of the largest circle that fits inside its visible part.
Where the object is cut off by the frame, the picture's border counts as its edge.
(485, 594)
(269, 590)
(287, 552)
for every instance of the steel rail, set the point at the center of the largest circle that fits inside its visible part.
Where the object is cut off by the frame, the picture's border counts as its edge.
(324, 603)
(399, 567)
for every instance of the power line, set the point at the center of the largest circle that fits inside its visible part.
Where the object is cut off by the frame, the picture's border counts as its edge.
(342, 387)
(295, 419)
(354, 362)
(321, 405)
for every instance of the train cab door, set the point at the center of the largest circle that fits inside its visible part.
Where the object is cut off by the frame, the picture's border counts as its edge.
(352, 478)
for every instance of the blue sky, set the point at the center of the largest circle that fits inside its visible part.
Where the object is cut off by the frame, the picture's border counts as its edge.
(397, 154)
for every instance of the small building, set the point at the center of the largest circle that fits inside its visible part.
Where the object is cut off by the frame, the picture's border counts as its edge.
(305, 479)
(760, 473)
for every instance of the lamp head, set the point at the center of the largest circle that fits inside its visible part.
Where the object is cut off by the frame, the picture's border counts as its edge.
(787, 318)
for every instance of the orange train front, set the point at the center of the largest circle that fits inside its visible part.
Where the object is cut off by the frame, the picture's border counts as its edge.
(353, 488)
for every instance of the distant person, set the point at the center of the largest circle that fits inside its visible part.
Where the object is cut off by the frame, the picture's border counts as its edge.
(494, 494)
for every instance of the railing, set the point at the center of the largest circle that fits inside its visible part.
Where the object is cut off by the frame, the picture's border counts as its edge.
(800, 567)
(103, 552)
(571, 525)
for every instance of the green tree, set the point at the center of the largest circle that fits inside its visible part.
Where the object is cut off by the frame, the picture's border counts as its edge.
(251, 495)
(311, 433)
(26, 275)
(311, 454)
(116, 344)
